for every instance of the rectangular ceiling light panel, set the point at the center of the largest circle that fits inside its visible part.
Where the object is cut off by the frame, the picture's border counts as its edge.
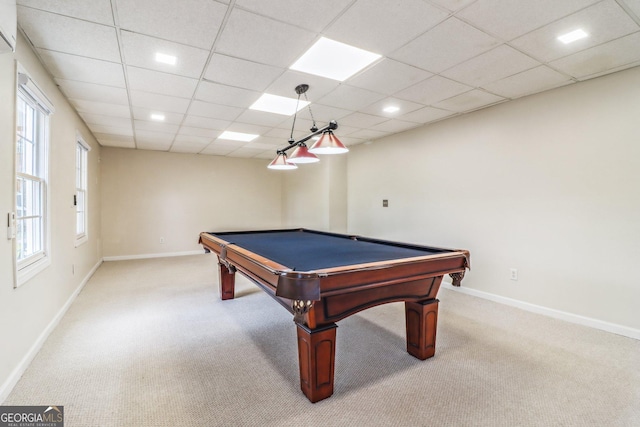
(278, 104)
(334, 60)
(572, 36)
(237, 136)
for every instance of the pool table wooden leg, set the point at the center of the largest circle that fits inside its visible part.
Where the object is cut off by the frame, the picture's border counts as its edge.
(422, 320)
(227, 281)
(317, 355)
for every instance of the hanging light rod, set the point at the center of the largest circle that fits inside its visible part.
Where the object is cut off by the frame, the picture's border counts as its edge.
(327, 144)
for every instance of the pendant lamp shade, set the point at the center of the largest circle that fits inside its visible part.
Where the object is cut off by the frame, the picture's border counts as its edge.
(281, 163)
(302, 155)
(328, 144)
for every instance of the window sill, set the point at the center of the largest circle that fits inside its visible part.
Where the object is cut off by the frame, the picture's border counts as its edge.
(81, 241)
(28, 272)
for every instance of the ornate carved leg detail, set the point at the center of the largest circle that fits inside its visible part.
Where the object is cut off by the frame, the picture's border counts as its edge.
(300, 309)
(457, 277)
(317, 355)
(227, 280)
(422, 321)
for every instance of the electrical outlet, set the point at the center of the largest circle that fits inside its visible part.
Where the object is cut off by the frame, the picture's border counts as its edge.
(162, 240)
(514, 274)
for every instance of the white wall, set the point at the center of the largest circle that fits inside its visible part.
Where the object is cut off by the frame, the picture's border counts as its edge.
(548, 184)
(149, 195)
(28, 312)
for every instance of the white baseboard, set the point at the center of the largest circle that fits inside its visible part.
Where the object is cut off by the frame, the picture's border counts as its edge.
(557, 314)
(144, 256)
(15, 376)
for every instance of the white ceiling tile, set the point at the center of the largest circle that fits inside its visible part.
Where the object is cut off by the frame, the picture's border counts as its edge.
(226, 95)
(603, 22)
(205, 122)
(217, 150)
(509, 19)
(382, 26)
(601, 58)
(286, 84)
(187, 147)
(448, 44)
(535, 80)
(248, 128)
(404, 107)
(311, 14)
(241, 73)
(267, 142)
(83, 69)
(350, 98)
(253, 37)
(95, 10)
(453, 5)
(395, 126)
(53, 32)
(144, 114)
(323, 114)
(153, 145)
(214, 111)
(191, 22)
(93, 107)
(192, 139)
(261, 118)
(432, 90)
(110, 121)
(93, 92)
(469, 101)
(633, 5)
(115, 131)
(388, 76)
(262, 146)
(490, 66)
(246, 152)
(161, 83)
(187, 131)
(154, 101)
(110, 140)
(140, 51)
(426, 115)
(141, 125)
(154, 137)
(362, 120)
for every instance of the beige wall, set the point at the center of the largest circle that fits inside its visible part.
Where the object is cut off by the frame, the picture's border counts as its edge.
(315, 195)
(149, 195)
(548, 184)
(28, 311)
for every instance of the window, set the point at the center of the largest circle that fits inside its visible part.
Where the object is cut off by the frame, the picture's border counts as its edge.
(31, 209)
(80, 198)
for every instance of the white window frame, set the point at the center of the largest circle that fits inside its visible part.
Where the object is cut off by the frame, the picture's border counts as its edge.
(29, 93)
(81, 198)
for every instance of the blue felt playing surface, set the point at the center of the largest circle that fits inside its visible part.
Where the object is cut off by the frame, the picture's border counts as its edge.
(308, 251)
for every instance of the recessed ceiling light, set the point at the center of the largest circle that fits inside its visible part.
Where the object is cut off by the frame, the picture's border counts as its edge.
(165, 59)
(572, 36)
(158, 117)
(391, 109)
(237, 136)
(278, 104)
(334, 60)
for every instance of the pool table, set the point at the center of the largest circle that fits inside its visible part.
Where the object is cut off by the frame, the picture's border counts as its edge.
(323, 277)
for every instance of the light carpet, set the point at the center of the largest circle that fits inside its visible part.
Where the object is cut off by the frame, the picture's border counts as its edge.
(149, 343)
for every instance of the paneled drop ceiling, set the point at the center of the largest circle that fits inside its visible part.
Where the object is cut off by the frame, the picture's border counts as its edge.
(440, 58)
